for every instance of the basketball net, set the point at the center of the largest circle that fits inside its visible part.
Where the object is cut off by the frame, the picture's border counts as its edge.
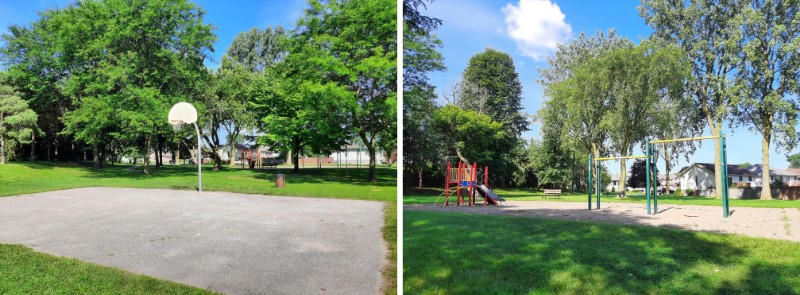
(176, 126)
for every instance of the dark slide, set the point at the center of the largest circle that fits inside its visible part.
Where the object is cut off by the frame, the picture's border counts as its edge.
(491, 196)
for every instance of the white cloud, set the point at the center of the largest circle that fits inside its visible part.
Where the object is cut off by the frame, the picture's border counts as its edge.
(537, 26)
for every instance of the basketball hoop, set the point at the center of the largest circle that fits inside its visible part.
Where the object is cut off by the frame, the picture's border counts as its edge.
(184, 113)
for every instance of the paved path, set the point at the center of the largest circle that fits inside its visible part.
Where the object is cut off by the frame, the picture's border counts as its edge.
(232, 243)
(773, 223)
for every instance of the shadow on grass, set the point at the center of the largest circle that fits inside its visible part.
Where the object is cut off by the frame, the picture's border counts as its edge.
(468, 253)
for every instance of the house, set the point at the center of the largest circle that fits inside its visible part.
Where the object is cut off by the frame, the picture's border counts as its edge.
(613, 183)
(785, 176)
(699, 177)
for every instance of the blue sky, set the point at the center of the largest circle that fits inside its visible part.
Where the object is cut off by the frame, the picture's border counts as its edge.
(527, 29)
(229, 17)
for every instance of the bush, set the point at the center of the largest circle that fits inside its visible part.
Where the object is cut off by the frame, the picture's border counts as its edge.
(742, 185)
(689, 192)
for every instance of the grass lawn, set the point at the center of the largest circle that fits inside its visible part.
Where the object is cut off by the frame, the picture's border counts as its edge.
(26, 178)
(429, 195)
(457, 253)
(27, 272)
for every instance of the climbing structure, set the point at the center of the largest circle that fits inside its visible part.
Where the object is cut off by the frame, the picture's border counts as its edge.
(462, 181)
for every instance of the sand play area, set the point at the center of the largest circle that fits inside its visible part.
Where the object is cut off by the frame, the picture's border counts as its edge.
(773, 223)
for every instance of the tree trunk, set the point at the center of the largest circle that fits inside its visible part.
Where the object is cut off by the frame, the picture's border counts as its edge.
(717, 170)
(623, 173)
(2, 149)
(295, 160)
(766, 185)
(217, 160)
(146, 152)
(372, 166)
(419, 174)
(95, 155)
(49, 141)
(33, 145)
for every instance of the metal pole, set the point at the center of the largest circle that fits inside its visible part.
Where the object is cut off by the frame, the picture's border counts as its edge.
(724, 156)
(599, 173)
(655, 179)
(647, 172)
(589, 183)
(199, 161)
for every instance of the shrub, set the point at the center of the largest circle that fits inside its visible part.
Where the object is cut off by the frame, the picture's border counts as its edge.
(689, 192)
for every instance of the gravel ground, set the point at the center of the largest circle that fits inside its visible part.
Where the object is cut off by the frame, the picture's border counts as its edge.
(773, 223)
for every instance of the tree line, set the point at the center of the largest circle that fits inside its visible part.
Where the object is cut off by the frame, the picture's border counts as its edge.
(101, 76)
(707, 64)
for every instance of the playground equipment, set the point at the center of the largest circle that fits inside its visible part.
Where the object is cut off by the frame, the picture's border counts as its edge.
(463, 182)
(723, 151)
(651, 157)
(254, 162)
(597, 164)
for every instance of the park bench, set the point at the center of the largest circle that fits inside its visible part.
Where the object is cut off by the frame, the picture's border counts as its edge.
(551, 192)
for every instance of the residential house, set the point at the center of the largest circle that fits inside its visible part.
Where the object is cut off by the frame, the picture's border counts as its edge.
(699, 177)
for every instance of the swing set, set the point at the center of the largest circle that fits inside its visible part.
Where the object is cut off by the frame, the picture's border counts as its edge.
(651, 157)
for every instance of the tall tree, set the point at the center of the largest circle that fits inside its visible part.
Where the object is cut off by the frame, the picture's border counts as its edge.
(36, 67)
(351, 45)
(497, 91)
(577, 109)
(144, 57)
(635, 81)
(16, 119)
(767, 80)
(257, 49)
(708, 32)
(421, 143)
(469, 135)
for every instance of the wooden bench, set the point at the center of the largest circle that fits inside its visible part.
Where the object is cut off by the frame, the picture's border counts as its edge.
(551, 192)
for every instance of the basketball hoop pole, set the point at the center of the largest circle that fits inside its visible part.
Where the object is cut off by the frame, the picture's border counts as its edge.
(199, 160)
(182, 113)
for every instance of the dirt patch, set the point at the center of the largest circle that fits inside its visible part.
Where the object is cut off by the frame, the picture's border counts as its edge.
(755, 222)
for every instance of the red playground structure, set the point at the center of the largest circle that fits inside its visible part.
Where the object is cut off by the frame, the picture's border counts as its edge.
(463, 182)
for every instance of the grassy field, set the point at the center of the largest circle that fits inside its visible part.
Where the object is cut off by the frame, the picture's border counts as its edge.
(27, 272)
(456, 253)
(429, 196)
(26, 178)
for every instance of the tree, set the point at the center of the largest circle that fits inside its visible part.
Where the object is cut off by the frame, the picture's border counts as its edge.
(575, 108)
(16, 119)
(707, 32)
(421, 143)
(794, 160)
(142, 56)
(635, 80)
(470, 136)
(767, 80)
(639, 175)
(298, 116)
(225, 103)
(551, 163)
(745, 165)
(258, 50)
(351, 46)
(497, 91)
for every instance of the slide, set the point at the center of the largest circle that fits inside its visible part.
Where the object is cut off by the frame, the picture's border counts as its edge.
(492, 198)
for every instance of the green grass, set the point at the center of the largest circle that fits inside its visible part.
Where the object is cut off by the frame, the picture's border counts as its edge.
(27, 272)
(457, 253)
(27, 178)
(428, 196)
